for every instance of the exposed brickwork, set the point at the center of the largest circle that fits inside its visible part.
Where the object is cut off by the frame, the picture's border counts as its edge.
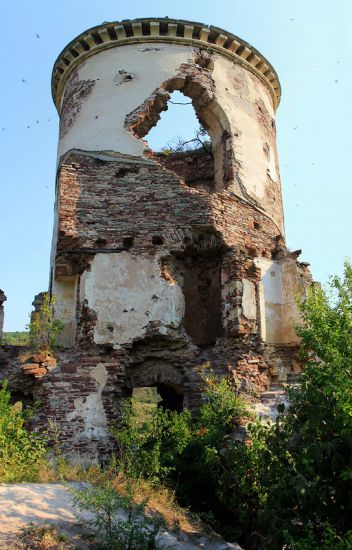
(97, 202)
(75, 93)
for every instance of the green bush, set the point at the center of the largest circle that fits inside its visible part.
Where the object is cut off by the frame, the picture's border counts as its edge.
(21, 452)
(150, 452)
(43, 328)
(296, 476)
(119, 523)
(185, 449)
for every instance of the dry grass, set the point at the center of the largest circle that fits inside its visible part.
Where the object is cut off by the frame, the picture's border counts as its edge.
(41, 537)
(160, 500)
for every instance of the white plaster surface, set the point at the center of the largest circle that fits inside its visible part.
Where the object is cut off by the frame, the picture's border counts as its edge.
(100, 123)
(127, 293)
(279, 288)
(249, 300)
(91, 409)
(237, 91)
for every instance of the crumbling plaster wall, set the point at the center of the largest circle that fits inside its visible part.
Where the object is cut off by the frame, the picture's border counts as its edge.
(127, 293)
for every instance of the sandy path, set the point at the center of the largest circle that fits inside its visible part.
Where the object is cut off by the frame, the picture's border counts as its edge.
(22, 503)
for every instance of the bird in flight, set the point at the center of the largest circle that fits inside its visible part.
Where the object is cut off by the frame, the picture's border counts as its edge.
(37, 35)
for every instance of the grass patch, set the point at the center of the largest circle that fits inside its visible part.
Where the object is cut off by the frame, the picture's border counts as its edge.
(16, 338)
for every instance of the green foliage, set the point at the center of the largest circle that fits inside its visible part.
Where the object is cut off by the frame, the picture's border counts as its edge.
(144, 401)
(16, 338)
(296, 477)
(328, 539)
(149, 453)
(21, 452)
(119, 523)
(43, 328)
(186, 449)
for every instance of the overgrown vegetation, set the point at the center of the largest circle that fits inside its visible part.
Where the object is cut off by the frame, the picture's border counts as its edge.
(118, 521)
(290, 482)
(144, 401)
(16, 338)
(22, 452)
(43, 327)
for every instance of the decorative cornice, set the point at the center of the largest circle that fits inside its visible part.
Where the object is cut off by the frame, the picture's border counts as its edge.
(131, 31)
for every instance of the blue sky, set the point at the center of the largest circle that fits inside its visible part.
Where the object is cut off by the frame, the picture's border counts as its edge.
(309, 42)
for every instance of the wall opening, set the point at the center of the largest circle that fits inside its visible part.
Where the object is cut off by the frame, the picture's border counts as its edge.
(181, 144)
(193, 81)
(147, 398)
(203, 303)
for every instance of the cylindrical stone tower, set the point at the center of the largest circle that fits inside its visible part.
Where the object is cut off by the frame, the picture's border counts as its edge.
(164, 263)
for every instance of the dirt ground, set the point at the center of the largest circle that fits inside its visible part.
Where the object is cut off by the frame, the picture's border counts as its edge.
(21, 504)
(50, 503)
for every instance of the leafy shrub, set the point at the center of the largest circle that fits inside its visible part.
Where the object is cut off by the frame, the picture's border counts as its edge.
(113, 531)
(43, 328)
(21, 452)
(296, 476)
(150, 452)
(185, 449)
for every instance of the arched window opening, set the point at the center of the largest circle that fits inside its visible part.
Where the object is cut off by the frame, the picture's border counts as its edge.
(181, 144)
(146, 399)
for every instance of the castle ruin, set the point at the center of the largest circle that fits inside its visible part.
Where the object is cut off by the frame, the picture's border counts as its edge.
(164, 263)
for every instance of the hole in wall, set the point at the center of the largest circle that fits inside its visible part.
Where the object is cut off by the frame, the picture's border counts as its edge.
(21, 400)
(101, 242)
(205, 61)
(146, 399)
(182, 144)
(203, 302)
(127, 242)
(157, 240)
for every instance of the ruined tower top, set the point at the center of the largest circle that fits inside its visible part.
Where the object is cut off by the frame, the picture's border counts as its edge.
(112, 34)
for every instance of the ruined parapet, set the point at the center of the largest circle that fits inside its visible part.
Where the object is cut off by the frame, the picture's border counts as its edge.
(162, 264)
(2, 314)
